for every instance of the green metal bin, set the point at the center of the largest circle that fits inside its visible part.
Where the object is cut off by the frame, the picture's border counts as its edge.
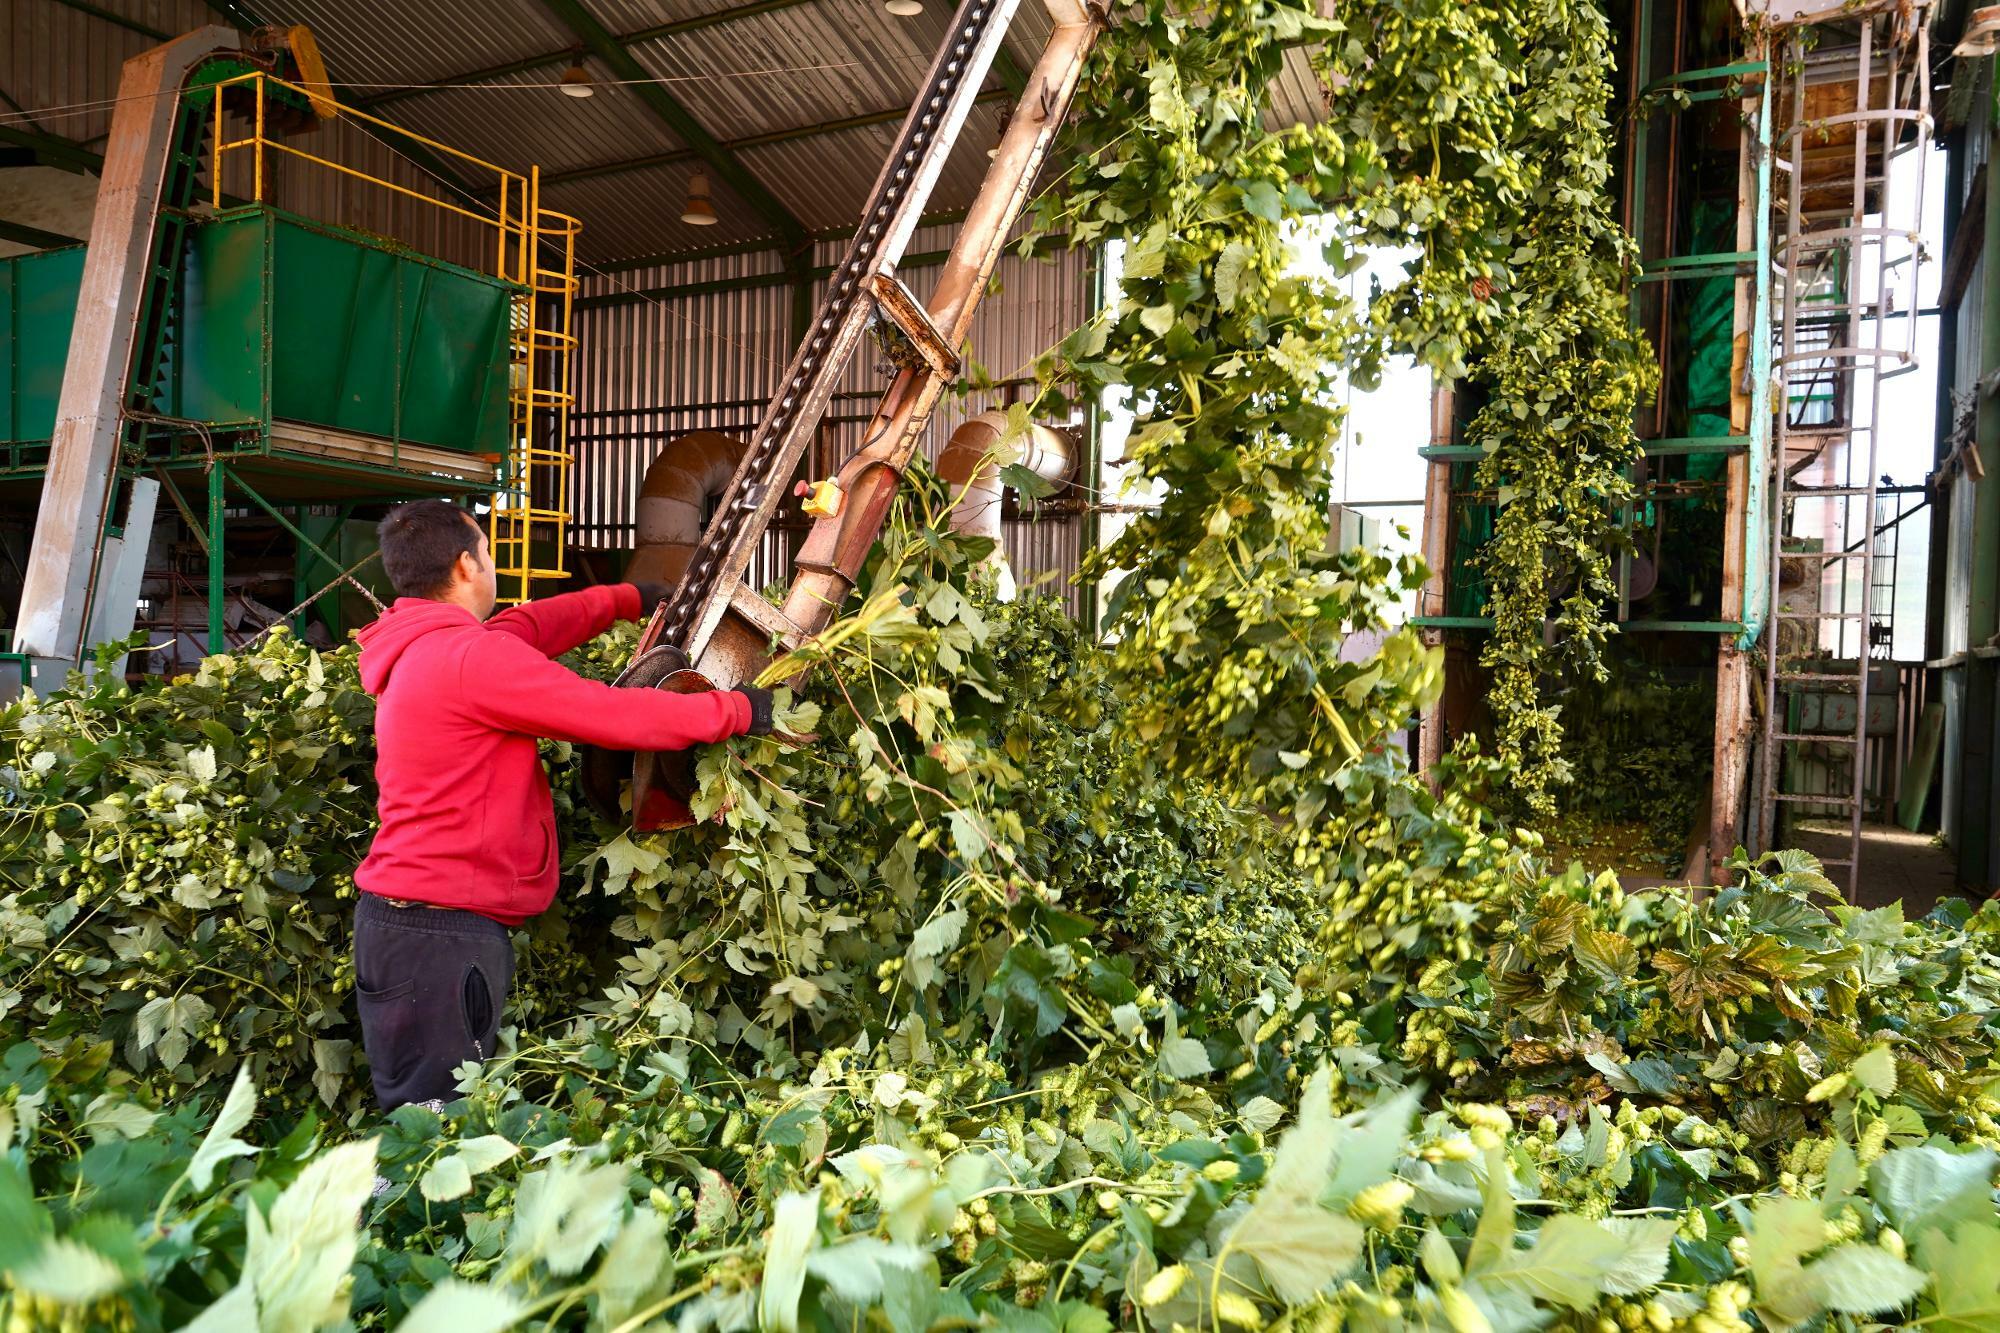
(282, 320)
(288, 320)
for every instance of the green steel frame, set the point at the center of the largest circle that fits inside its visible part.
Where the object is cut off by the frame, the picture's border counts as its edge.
(1756, 445)
(224, 488)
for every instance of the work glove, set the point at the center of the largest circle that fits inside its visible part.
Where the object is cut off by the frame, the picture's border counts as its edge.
(651, 595)
(760, 709)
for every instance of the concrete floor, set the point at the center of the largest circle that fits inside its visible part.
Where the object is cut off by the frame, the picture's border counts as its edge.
(1895, 863)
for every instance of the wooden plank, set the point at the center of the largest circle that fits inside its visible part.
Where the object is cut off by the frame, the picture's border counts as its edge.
(1729, 763)
(1431, 722)
(1922, 771)
(369, 451)
(1968, 242)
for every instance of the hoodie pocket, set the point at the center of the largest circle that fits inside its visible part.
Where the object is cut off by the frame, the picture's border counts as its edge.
(545, 858)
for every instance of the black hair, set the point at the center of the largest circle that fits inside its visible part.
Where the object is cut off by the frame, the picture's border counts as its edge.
(421, 542)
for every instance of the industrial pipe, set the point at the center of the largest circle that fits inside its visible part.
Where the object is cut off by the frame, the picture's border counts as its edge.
(674, 502)
(970, 466)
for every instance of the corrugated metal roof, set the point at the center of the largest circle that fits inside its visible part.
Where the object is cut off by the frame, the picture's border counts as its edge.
(65, 64)
(825, 180)
(840, 60)
(639, 212)
(794, 68)
(515, 124)
(396, 42)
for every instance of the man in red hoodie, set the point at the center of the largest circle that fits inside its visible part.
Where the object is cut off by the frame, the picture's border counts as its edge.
(467, 843)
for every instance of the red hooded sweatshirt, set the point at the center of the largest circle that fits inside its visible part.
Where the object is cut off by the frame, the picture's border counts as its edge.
(466, 818)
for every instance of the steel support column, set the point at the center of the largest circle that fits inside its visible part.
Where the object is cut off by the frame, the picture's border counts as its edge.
(217, 477)
(1979, 788)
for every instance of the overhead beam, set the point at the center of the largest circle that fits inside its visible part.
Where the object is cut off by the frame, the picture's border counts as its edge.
(22, 234)
(1042, 246)
(53, 150)
(549, 59)
(599, 42)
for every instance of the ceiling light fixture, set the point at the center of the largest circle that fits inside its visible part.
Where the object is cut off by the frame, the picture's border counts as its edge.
(905, 9)
(699, 211)
(576, 80)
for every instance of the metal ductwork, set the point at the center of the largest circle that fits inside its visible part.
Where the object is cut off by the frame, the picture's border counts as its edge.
(970, 465)
(690, 474)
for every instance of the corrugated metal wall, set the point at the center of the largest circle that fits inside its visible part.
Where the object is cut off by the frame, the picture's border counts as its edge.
(63, 64)
(656, 367)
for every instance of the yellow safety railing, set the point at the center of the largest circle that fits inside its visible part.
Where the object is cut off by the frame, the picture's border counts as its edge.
(534, 248)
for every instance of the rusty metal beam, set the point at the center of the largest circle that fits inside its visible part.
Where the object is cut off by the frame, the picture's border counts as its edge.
(83, 455)
(831, 558)
(890, 116)
(1735, 731)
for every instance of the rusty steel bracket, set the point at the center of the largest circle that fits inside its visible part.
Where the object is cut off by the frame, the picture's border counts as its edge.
(901, 306)
(673, 771)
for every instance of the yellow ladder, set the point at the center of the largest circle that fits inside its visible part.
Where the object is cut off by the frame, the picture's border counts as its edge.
(532, 508)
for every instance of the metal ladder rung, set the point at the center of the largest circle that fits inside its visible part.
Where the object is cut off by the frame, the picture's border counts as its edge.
(1825, 355)
(1812, 242)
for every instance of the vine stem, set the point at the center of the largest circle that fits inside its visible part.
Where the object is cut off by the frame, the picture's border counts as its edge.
(1055, 1292)
(1081, 1182)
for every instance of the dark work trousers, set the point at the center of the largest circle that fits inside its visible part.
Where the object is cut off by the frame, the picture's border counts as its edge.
(431, 983)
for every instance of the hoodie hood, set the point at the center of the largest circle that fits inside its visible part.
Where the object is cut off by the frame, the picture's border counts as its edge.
(385, 640)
